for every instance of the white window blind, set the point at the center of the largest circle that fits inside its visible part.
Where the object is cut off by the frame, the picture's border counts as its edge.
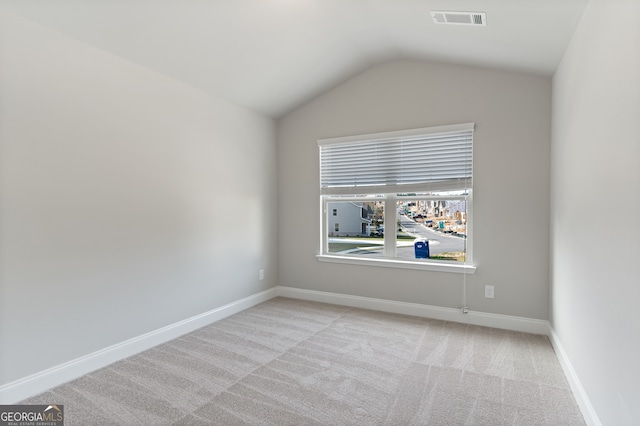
(437, 158)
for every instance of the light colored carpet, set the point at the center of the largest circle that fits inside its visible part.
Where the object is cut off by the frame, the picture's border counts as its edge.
(292, 362)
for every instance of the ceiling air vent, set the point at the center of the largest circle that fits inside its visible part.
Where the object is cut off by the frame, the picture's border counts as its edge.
(459, 18)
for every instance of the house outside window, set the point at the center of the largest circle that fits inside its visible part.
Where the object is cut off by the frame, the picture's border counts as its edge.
(392, 190)
(351, 219)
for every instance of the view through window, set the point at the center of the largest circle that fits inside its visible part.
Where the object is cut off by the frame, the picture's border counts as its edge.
(439, 220)
(402, 196)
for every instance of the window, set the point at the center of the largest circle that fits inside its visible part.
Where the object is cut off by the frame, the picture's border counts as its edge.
(404, 198)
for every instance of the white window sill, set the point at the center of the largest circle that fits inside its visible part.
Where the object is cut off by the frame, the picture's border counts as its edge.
(425, 265)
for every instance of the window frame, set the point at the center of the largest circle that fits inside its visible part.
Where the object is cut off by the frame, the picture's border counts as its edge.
(391, 195)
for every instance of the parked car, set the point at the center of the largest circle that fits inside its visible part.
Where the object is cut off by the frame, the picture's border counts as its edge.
(378, 232)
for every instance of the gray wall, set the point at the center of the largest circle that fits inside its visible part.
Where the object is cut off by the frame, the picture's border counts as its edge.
(595, 205)
(128, 201)
(511, 175)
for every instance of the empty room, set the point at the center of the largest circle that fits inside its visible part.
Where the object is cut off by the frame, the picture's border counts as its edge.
(344, 212)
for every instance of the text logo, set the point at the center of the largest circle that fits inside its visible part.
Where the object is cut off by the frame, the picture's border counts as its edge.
(31, 415)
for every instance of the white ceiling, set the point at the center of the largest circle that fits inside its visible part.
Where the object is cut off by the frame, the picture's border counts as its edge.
(273, 55)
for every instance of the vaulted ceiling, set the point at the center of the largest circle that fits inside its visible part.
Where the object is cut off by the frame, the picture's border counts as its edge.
(273, 55)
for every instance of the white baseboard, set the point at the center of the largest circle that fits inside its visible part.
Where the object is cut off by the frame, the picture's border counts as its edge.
(34, 384)
(588, 412)
(506, 322)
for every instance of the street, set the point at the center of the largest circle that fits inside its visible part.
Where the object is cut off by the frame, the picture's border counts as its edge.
(438, 242)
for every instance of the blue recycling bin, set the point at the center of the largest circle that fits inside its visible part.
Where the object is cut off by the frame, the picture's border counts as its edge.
(421, 248)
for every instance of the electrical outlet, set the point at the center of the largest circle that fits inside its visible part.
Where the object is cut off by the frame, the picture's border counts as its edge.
(261, 274)
(488, 291)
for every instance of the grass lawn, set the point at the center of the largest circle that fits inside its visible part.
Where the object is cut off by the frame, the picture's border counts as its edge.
(338, 247)
(352, 243)
(452, 255)
(360, 241)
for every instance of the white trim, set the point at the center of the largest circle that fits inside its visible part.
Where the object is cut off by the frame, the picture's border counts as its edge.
(389, 222)
(399, 134)
(401, 264)
(507, 322)
(588, 412)
(34, 384)
(395, 189)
